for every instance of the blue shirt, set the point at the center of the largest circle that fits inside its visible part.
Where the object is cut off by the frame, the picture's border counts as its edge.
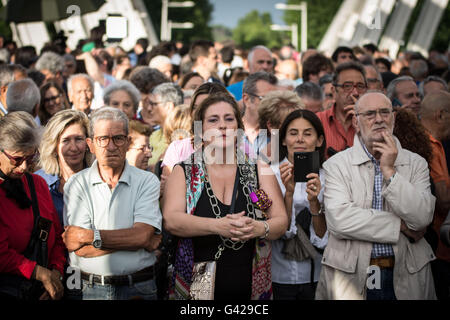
(379, 249)
(57, 197)
(236, 90)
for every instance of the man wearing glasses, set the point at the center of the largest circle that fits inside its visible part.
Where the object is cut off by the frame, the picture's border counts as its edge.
(111, 215)
(350, 83)
(378, 204)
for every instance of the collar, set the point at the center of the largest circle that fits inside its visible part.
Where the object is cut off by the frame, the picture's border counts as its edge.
(95, 178)
(3, 109)
(359, 155)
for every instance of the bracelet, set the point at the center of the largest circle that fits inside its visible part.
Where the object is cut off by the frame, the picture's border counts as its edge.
(266, 230)
(321, 212)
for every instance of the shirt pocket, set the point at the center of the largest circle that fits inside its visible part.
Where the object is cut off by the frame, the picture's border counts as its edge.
(418, 255)
(340, 259)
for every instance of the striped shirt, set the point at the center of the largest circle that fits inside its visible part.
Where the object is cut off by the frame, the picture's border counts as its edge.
(378, 249)
(335, 134)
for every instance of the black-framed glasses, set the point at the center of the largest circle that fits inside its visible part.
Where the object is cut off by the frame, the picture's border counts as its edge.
(17, 161)
(256, 96)
(52, 99)
(118, 140)
(348, 86)
(371, 114)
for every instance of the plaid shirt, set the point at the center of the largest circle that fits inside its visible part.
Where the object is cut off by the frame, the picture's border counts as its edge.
(379, 249)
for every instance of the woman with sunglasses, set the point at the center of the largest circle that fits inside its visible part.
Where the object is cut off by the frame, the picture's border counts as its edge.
(63, 152)
(24, 275)
(53, 100)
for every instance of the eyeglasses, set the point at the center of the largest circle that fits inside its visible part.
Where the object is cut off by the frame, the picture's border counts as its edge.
(51, 99)
(154, 104)
(118, 140)
(370, 115)
(142, 148)
(17, 161)
(256, 96)
(348, 86)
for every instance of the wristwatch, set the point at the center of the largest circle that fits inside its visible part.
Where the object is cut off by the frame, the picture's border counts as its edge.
(97, 243)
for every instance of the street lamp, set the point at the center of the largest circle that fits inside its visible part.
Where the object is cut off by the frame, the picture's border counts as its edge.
(293, 28)
(166, 32)
(298, 7)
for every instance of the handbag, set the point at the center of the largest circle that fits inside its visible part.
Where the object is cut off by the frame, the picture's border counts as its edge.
(20, 287)
(204, 273)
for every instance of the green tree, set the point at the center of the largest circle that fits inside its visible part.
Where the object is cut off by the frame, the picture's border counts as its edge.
(199, 15)
(320, 15)
(254, 29)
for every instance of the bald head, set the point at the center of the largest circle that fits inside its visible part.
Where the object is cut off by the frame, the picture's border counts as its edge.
(435, 102)
(372, 98)
(287, 69)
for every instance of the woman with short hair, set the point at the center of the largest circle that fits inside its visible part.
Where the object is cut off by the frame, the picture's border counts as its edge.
(124, 95)
(31, 248)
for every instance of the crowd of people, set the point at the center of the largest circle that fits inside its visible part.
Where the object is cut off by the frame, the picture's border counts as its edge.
(142, 169)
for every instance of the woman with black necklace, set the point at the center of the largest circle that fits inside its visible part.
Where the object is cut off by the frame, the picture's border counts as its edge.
(31, 249)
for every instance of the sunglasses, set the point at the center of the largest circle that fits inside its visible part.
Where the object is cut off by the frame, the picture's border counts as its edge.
(17, 161)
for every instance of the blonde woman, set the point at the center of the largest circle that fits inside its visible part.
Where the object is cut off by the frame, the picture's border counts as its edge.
(63, 152)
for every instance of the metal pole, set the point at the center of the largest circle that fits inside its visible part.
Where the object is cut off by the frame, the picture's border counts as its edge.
(164, 17)
(304, 44)
(169, 30)
(294, 35)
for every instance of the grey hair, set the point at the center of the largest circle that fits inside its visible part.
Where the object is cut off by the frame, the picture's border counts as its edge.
(122, 85)
(250, 82)
(252, 52)
(19, 132)
(159, 61)
(391, 90)
(309, 90)
(4, 55)
(23, 95)
(169, 92)
(108, 113)
(50, 61)
(79, 75)
(418, 68)
(431, 79)
(69, 57)
(6, 75)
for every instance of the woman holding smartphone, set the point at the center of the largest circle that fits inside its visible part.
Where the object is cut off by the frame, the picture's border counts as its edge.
(296, 256)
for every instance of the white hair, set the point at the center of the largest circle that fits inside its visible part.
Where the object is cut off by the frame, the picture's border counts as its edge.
(159, 61)
(23, 95)
(79, 75)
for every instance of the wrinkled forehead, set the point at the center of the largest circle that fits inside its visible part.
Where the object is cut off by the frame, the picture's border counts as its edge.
(373, 100)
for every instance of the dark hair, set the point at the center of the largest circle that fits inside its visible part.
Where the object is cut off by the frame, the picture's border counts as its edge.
(371, 47)
(384, 61)
(26, 56)
(315, 122)
(188, 76)
(309, 90)
(412, 134)
(200, 48)
(342, 49)
(227, 54)
(145, 78)
(208, 88)
(44, 116)
(350, 65)
(314, 64)
(199, 113)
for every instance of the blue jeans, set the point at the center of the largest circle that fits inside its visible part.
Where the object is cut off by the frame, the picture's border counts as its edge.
(145, 290)
(386, 291)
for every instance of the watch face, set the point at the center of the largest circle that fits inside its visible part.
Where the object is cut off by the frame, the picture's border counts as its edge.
(97, 244)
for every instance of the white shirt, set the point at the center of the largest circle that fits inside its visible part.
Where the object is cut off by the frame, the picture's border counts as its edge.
(289, 271)
(90, 203)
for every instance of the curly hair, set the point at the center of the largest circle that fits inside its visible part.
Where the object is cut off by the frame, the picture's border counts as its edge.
(412, 134)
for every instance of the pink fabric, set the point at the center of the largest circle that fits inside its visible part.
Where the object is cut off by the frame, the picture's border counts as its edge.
(178, 150)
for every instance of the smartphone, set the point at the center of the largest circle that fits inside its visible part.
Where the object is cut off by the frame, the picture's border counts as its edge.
(304, 164)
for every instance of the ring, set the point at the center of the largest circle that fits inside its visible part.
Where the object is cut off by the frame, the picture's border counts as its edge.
(314, 188)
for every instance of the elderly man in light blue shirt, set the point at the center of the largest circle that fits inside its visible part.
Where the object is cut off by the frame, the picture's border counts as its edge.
(111, 215)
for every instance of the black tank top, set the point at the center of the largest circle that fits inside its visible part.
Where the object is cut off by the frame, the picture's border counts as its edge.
(234, 267)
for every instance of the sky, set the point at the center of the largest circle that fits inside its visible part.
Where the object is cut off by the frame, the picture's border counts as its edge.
(228, 12)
